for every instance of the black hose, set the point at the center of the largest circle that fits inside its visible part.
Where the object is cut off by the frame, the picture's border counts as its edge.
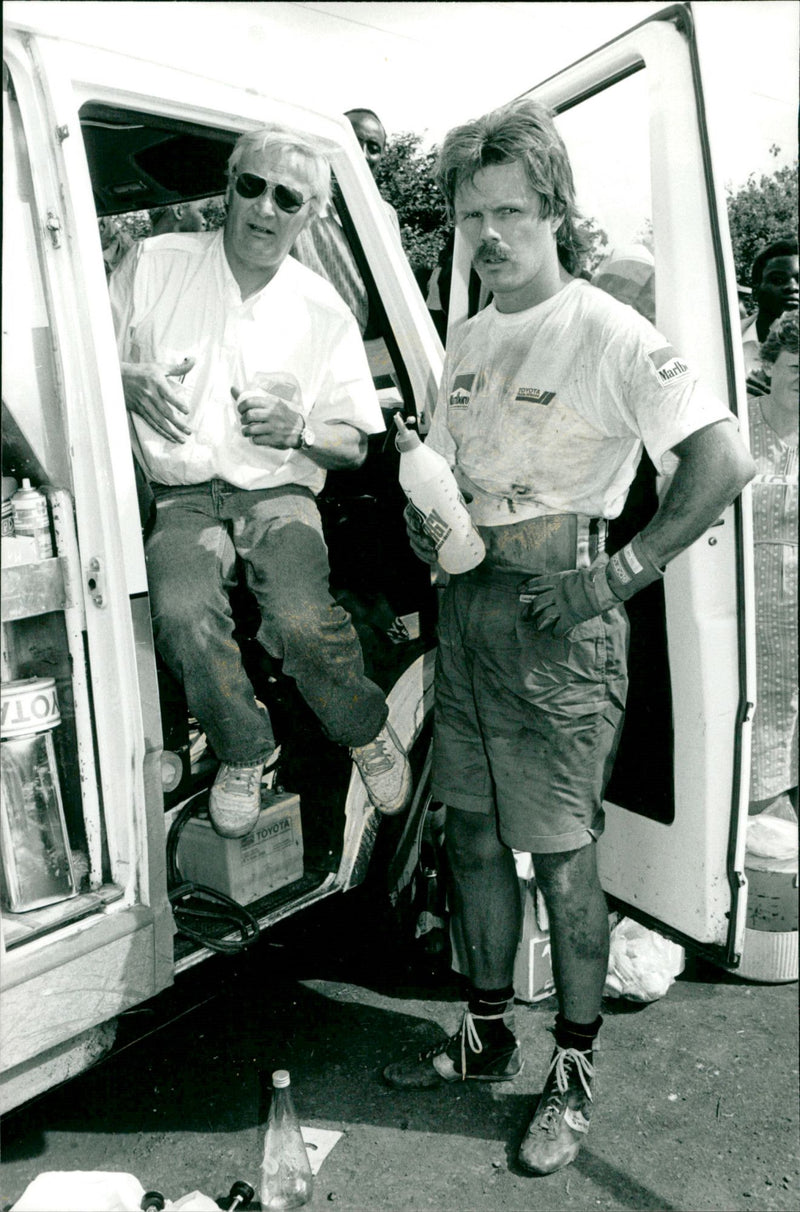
(204, 914)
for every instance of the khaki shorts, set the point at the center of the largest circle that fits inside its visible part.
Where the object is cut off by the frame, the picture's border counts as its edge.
(526, 724)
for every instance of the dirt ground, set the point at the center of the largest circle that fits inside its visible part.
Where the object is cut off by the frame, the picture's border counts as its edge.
(697, 1094)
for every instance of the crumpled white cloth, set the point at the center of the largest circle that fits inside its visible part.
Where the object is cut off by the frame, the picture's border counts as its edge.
(642, 964)
(97, 1191)
(771, 844)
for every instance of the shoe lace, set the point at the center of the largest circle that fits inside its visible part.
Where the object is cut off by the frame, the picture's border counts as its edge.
(375, 757)
(466, 1037)
(242, 780)
(469, 1036)
(563, 1059)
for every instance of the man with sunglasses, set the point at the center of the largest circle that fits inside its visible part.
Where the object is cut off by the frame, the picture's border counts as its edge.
(246, 380)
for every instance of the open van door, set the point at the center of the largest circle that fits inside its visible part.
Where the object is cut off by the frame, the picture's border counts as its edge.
(633, 117)
(90, 135)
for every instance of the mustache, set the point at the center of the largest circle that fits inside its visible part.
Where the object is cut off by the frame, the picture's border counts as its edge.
(491, 251)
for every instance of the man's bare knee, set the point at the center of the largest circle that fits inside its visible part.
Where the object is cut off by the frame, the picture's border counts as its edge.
(472, 841)
(568, 873)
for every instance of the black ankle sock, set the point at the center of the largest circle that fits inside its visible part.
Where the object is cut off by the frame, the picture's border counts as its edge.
(489, 1001)
(576, 1035)
(486, 1003)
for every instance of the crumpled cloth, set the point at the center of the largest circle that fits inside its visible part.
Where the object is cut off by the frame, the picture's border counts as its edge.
(97, 1191)
(642, 964)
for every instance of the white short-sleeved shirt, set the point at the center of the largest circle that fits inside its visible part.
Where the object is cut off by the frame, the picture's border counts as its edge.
(546, 410)
(174, 297)
(751, 345)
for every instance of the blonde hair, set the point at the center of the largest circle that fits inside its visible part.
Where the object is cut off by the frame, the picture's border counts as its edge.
(288, 143)
(784, 335)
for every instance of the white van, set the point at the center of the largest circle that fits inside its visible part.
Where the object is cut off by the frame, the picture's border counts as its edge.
(88, 134)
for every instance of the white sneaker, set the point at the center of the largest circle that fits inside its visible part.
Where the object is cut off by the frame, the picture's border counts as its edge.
(384, 768)
(235, 799)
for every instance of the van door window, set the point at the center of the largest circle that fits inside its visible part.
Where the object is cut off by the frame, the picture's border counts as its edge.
(608, 139)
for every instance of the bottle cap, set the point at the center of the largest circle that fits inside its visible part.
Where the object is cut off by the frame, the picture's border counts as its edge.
(26, 482)
(280, 1078)
(406, 439)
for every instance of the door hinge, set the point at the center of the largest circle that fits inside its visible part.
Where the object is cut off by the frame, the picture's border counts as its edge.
(94, 581)
(53, 225)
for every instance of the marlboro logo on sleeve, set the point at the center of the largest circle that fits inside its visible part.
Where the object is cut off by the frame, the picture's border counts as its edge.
(668, 366)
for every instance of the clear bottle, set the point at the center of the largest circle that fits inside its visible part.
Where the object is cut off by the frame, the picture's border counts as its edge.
(286, 1178)
(431, 488)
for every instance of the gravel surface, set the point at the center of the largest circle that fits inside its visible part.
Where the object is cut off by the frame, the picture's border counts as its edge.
(696, 1093)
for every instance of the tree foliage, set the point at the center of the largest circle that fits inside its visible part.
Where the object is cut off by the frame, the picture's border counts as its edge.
(761, 211)
(406, 179)
(595, 242)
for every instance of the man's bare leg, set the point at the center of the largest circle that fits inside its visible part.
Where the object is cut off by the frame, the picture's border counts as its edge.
(488, 907)
(579, 932)
(486, 896)
(579, 938)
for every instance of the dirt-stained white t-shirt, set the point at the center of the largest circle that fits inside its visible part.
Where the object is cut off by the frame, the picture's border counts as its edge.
(174, 296)
(546, 410)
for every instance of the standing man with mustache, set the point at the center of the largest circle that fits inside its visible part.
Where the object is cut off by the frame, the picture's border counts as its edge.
(547, 398)
(246, 380)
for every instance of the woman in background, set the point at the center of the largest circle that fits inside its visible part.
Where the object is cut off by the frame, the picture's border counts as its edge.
(773, 442)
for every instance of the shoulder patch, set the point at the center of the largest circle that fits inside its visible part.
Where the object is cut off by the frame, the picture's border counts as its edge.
(462, 390)
(668, 366)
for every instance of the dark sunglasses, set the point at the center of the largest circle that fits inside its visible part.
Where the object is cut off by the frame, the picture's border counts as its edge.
(250, 185)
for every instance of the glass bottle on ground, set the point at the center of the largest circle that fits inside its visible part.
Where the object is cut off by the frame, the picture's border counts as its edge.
(286, 1178)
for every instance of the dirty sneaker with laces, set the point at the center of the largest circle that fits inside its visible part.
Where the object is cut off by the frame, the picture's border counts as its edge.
(235, 799)
(384, 768)
(559, 1126)
(467, 1056)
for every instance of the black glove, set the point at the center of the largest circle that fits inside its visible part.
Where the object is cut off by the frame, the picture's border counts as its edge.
(561, 600)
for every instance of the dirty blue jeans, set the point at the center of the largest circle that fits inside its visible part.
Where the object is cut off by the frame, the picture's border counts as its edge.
(191, 563)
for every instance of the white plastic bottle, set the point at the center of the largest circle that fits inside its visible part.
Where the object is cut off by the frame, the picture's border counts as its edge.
(431, 488)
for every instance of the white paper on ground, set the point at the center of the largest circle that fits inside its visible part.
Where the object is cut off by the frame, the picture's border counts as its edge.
(195, 1201)
(318, 1142)
(81, 1191)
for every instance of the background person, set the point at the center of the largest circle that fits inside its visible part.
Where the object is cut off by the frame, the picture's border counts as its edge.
(773, 443)
(179, 216)
(114, 240)
(323, 245)
(222, 311)
(546, 399)
(629, 274)
(774, 290)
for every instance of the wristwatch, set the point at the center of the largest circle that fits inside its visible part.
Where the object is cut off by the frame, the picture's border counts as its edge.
(307, 437)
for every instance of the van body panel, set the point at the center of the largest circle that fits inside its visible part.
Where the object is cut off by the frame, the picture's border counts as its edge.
(118, 937)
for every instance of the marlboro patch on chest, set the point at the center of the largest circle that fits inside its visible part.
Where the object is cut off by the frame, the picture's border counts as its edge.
(462, 391)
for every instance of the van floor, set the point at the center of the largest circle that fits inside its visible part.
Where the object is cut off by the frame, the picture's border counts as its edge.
(697, 1098)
